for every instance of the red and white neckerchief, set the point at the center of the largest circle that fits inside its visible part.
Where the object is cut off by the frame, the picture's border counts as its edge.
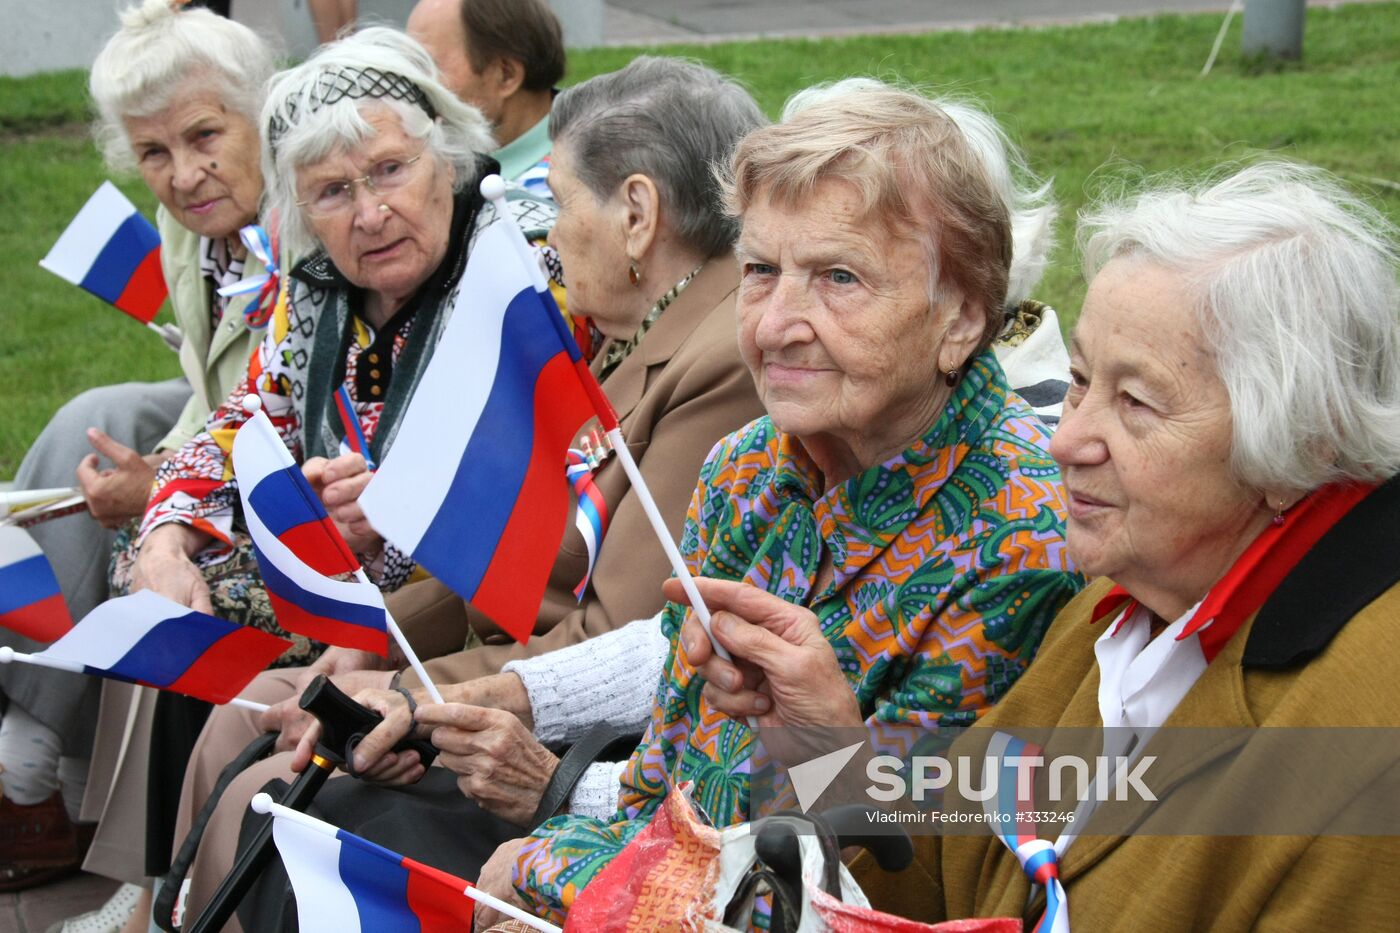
(1143, 679)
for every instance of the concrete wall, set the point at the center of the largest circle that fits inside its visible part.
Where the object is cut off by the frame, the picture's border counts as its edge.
(51, 35)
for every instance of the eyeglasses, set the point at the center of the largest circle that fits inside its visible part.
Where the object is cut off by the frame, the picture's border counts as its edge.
(336, 196)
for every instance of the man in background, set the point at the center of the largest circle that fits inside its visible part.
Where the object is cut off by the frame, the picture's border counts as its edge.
(504, 57)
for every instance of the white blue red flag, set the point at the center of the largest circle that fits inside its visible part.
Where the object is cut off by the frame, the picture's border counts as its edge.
(30, 601)
(354, 440)
(345, 884)
(147, 639)
(110, 250)
(474, 487)
(591, 514)
(299, 548)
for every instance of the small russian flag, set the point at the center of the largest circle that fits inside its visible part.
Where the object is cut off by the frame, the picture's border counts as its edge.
(472, 487)
(147, 639)
(299, 548)
(344, 883)
(30, 601)
(113, 252)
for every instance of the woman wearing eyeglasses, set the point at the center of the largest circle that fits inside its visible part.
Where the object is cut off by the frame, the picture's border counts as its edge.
(373, 169)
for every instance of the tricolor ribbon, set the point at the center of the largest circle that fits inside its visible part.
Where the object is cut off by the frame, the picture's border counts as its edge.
(354, 440)
(265, 284)
(591, 517)
(1011, 811)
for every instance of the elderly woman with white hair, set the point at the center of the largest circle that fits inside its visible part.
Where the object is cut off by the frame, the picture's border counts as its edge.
(884, 548)
(1230, 447)
(373, 170)
(177, 95)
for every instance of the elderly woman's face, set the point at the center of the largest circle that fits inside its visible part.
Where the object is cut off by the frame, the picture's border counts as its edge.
(836, 327)
(589, 235)
(1144, 444)
(387, 242)
(200, 160)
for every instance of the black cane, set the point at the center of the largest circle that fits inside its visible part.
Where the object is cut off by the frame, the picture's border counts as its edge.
(343, 724)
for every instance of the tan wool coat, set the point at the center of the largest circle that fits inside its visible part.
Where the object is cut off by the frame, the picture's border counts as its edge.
(1331, 663)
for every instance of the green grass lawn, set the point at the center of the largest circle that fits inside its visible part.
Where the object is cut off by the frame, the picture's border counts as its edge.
(1089, 103)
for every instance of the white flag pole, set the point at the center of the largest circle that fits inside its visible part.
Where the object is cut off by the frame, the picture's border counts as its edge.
(408, 651)
(17, 499)
(9, 655)
(263, 803)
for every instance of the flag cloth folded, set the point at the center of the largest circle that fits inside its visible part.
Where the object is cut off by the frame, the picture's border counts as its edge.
(298, 547)
(30, 601)
(475, 486)
(147, 639)
(345, 884)
(110, 250)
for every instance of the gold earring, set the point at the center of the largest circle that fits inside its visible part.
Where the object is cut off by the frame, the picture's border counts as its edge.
(1278, 512)
(951, 377)
(634, 274)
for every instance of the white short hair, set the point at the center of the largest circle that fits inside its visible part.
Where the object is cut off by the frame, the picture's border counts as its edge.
(1294, 283)
(156, 53)
(308, 128)
(1028, 200)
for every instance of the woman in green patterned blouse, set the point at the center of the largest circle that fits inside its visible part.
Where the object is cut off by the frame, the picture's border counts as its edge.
(885, 548)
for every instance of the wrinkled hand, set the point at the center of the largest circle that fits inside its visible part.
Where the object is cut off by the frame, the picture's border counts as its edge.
(498, 762)
(784, 671)
(339, 483)
(348, 669)
(163, 566)
(301, 731)
(118, 494)
(495, 878)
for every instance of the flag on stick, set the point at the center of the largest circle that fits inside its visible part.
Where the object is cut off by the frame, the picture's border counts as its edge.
(475, 487)
(345, 884)
(30, 601)
(147, 639)
(299, 548)
(110, 250)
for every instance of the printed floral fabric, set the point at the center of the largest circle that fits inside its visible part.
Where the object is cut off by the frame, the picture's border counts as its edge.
(949, 564)
(196, 486)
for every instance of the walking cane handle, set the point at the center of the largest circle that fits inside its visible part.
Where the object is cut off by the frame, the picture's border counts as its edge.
(344, 723)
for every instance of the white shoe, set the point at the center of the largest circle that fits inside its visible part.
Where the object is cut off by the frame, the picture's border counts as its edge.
(109, 918)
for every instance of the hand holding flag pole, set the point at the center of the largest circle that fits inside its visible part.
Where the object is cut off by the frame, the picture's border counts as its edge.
(299, 549)
(493, 188)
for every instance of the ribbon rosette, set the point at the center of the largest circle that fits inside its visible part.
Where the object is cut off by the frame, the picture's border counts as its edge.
(265, 284)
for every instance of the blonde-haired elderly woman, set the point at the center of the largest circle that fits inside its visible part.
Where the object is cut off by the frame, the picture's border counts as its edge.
(1230, 448)
(884, 548)
(177, 94)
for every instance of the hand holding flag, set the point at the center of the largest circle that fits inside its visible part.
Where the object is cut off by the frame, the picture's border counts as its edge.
(299, 549)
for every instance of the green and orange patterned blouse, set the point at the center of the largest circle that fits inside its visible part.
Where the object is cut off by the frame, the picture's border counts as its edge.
(949, 565)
